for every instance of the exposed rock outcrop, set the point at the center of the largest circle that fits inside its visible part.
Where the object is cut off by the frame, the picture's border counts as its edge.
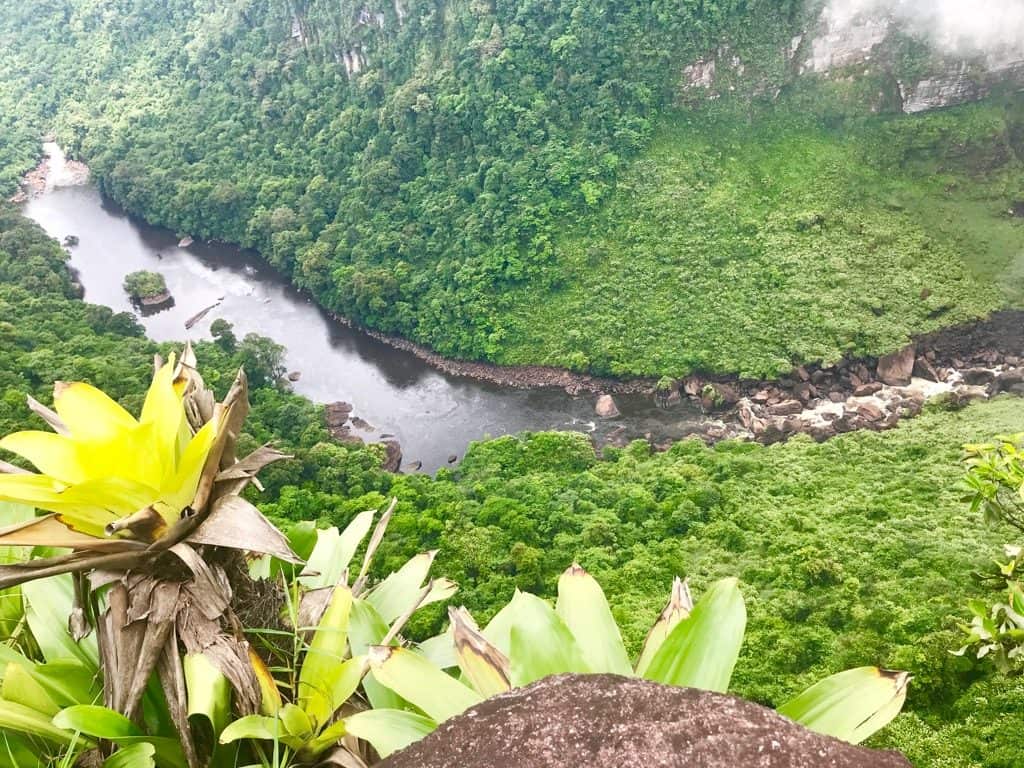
(849, 42)
(956, 366)
(392, 456)
(896, 369)
(606, 721)
(606, 407)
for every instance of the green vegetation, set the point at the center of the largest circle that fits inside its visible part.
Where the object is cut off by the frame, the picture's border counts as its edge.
(996, 481)
(169, 533)
(145, 285)
(689, 645)
(517, 183)
(742, 241)
(513, 182)
(153, 506)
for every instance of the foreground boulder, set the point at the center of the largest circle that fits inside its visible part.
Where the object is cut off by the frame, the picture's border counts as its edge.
(606, 721)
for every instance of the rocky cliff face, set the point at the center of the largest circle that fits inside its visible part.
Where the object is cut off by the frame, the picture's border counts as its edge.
(910, 69)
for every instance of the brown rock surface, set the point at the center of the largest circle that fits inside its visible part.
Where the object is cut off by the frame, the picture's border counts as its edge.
(897, 368)
(606, 407)
(392, 455)
(786, 408)
(605, 721)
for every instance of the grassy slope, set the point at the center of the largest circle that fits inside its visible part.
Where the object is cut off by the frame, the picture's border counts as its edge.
(740, 245)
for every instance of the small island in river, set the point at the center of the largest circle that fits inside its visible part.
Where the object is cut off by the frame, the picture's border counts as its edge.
(148, 290)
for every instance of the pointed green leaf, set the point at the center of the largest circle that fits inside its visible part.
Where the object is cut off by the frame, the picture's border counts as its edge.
(333, 552)
(439, 650)
(540, 644)
(327, 650)
(21, 687)
(419, 682)
(18, 717)
(851, 705)
(94, 720)
(701, 651)
(368, 628)
(583, 607)
(399, 591)
(259, 727)
(389, 730)
(69, 682)
(680, 603)
(296, 722)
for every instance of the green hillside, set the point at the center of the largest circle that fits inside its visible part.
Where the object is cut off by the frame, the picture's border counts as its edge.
(743, 240)
(492, 166)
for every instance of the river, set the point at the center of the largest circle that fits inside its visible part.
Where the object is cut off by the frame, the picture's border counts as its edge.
(433, 415)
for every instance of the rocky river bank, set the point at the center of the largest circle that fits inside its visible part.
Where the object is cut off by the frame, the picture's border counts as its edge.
(957, 365)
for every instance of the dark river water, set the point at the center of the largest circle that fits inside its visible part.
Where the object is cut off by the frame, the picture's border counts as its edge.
(433, 415)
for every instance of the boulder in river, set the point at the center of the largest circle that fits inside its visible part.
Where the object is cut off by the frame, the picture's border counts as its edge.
(606, 407)
(70, 241)
(294, 375)
(896, 369)
(185, 242)
(786, 408)
(392, 456)
(869, 389)
(608, 721)
(336, 415)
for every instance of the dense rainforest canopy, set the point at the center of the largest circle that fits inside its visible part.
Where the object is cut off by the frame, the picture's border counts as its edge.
(520, 182)
(463, 173)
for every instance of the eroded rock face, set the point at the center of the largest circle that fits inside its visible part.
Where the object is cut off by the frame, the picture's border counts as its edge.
(606, 721)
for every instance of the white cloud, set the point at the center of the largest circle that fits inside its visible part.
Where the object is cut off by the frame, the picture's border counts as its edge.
(960, 27)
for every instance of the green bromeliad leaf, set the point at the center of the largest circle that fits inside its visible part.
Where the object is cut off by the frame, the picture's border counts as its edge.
(851, 705)
(583, 607)
(333, 552)
(324, 657)
(540, 643)
(134, 756)
(389, 730)
(23, 719)
(419, 682)
(528, 617)
(702, 650)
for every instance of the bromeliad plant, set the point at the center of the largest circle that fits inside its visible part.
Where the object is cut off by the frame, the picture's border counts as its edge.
(689, 645)
(150, 516)
(319, 720)
(995, 485)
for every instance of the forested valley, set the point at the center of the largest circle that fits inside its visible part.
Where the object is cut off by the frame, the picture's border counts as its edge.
(534, 183)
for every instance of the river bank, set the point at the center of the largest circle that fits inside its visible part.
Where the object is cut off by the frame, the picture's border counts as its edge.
(964, 362)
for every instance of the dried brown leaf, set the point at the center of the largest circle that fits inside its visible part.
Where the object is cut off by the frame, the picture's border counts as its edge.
(235, 523)
(49, 416)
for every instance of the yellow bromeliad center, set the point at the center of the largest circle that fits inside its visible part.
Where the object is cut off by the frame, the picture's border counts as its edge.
(109, 465)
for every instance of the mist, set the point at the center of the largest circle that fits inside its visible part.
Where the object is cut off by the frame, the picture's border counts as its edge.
(960, 27)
